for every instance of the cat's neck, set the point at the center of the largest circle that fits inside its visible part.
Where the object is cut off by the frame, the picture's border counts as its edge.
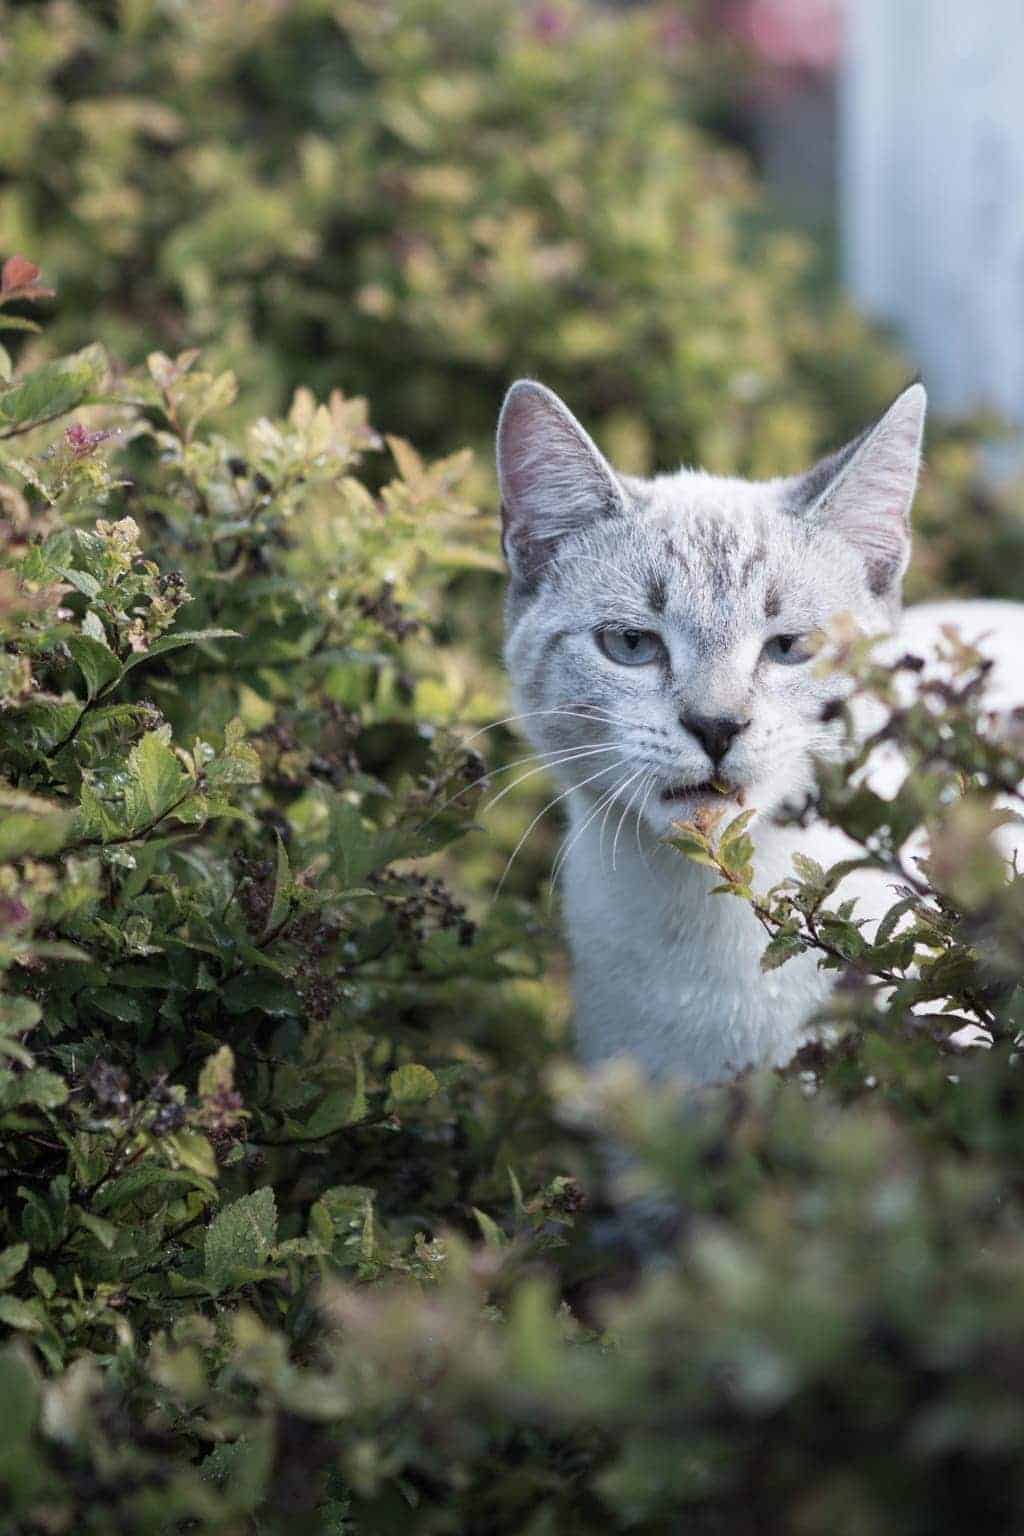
(670, 974)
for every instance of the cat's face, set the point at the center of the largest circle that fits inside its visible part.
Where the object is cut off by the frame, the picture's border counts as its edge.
(656, 630)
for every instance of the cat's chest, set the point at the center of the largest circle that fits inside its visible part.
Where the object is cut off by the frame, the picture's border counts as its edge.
(670, 974)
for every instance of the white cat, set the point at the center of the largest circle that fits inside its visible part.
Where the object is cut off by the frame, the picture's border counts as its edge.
(654, 642)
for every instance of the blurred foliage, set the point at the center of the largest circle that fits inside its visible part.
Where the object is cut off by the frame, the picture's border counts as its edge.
(420, 200)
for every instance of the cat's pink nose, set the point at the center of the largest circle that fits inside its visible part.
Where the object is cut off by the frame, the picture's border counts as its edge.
(716, 734)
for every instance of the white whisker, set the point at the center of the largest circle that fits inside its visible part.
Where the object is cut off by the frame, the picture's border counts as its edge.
(573, 714)
(569, 756)
(641, 773)
(550, 806)
(652, 786)
(569, 843)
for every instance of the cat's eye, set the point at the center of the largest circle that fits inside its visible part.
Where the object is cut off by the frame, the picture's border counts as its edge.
(790, 649)
(630, 647)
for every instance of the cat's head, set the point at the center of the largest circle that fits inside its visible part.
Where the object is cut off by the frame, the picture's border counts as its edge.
(655, 628)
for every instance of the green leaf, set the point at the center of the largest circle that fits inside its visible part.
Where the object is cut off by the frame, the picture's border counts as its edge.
(104, 1231)
(176, 642)
(412, 1084)
(37, 1086)
(241, 1237)
(262, 992)
(19, 1393)
(82, 581)
(491, 1233)
(30, 825)
(282, 889)
(20, 1314)
(12, 1260)
(159, 778)
(735, 830)
(54, 389)
(193, 1151)
(96, 662)
(218, 1073)
(116, 1005)
(780, 948)
(149, 1176)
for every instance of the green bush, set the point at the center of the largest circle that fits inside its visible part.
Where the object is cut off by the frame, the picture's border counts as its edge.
(293, 1229)
(419, 201)
(226, 987)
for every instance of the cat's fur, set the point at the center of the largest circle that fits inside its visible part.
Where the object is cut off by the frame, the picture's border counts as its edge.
(717, 568)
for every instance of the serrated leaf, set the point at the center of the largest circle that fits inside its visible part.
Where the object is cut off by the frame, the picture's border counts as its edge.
(54, 388)
(240, 1238)
(82, 581)
(96, 662)
(809, 870)
(158, 775)
(782, 947)
(735, 830)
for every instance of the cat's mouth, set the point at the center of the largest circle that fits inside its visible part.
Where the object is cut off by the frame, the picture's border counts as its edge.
(708, 789)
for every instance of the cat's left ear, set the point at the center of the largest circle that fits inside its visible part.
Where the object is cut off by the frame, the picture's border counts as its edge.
(554, 479)
(865, 491)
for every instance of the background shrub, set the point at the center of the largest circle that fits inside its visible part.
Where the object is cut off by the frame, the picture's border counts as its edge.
(419, 201)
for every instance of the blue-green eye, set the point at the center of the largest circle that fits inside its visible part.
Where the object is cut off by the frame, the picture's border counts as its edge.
(788, 649)
(630, 647)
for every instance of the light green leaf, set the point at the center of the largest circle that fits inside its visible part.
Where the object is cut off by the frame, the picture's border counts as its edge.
(20, 1314)
(491, 1233)
(36, 1086)
(412, 1084)
(193, 1151)
(54, 388)
(176, 642)
(218, 1073)
(241, 1237)
(158, 775)
(12, 1260)
(97, 662)
(105, 1231)
(282, 889)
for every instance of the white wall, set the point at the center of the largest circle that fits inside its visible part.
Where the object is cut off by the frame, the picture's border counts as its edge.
(932, 188)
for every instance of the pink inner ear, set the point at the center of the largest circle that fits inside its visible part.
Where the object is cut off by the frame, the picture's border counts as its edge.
(553, 479)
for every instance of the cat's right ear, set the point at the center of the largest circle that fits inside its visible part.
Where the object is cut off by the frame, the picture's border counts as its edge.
(554, 479)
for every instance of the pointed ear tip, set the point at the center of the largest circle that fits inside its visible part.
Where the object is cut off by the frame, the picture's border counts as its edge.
(523, 388)
(915, 396)
(518, 394)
